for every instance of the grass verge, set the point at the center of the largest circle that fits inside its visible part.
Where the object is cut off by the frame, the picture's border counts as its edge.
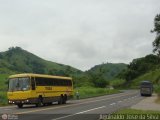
(3, 98)
(87, 92)
(3, 89)
(133, 114)
(134, 111)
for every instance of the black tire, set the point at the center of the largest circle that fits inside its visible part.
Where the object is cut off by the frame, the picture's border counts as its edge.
(40, 102)
(60, 101)
(19, 105)
(64, 99)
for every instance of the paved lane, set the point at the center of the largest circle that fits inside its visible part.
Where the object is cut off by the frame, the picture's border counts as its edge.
(86, 109)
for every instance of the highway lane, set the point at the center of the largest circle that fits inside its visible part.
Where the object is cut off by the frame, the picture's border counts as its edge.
(86, 109)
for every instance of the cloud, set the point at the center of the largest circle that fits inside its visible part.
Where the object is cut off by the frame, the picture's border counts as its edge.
(79, 33)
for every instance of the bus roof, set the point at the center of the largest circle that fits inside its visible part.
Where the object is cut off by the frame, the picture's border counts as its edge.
(38, 75)
(146, 81)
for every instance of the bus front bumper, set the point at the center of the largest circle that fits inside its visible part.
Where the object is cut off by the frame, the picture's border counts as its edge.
(23, 101)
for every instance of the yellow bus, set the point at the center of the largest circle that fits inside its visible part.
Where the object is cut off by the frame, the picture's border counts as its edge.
(38, 89)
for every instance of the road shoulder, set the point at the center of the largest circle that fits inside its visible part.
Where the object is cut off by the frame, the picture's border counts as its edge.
(147, 104)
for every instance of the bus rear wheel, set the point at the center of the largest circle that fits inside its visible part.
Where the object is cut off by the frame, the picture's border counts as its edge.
(20, 105)
(60, 101)
(64, 99)
(40, 102)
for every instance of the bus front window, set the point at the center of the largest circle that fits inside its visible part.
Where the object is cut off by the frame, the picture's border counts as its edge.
(19, 84)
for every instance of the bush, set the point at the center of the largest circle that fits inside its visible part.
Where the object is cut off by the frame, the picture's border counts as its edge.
(3, 98)
(86, 92)
(157, 89)
(117, 83)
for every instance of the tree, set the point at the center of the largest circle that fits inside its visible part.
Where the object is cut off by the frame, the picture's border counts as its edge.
(98, 80)
(139, 67)
(156, 42)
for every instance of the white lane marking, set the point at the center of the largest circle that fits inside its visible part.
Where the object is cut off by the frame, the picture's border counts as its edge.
(91, 110)
(79, 113)
(112, 103)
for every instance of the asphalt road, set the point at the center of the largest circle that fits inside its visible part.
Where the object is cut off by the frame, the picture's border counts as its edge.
(85, 109)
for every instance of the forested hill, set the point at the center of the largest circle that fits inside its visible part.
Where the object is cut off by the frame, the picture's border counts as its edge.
(17, 60)
(140, 66)
(108, 70)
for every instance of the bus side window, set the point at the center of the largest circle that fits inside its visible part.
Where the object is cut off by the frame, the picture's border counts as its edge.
(33, 83)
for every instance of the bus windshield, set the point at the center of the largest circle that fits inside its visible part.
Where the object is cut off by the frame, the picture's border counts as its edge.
(146, 84)
(19, 84)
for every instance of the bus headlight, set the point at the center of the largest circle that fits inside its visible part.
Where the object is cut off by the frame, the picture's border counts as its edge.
(27, 100)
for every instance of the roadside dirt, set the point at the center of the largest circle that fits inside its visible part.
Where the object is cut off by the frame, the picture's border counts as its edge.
(148, 103)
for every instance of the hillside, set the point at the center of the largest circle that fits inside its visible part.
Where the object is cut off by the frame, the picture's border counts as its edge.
(108, 71)
(17, 60)
(153, 76)
(140, 66)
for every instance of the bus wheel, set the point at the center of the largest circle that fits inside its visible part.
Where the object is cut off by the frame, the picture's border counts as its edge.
(64, 99)
(20, 105)
(40, 102)
(60, 101)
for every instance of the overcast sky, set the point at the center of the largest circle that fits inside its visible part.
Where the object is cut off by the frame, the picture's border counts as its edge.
(80, 33)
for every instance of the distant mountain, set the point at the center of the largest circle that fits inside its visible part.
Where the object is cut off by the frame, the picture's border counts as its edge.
(107, 71)
(17, 60)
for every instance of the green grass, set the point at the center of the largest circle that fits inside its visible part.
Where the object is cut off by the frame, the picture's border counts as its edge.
(117, 83)
(3, 89)
(3, 98)
(134, 111)
(87, 92)
(133, 114)
(153, 76)
(157, 89)
(3, 80)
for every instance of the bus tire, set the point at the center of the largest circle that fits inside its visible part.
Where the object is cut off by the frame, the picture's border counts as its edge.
(60, 101)
(19, 105)
(40, 102)
(64, 99)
